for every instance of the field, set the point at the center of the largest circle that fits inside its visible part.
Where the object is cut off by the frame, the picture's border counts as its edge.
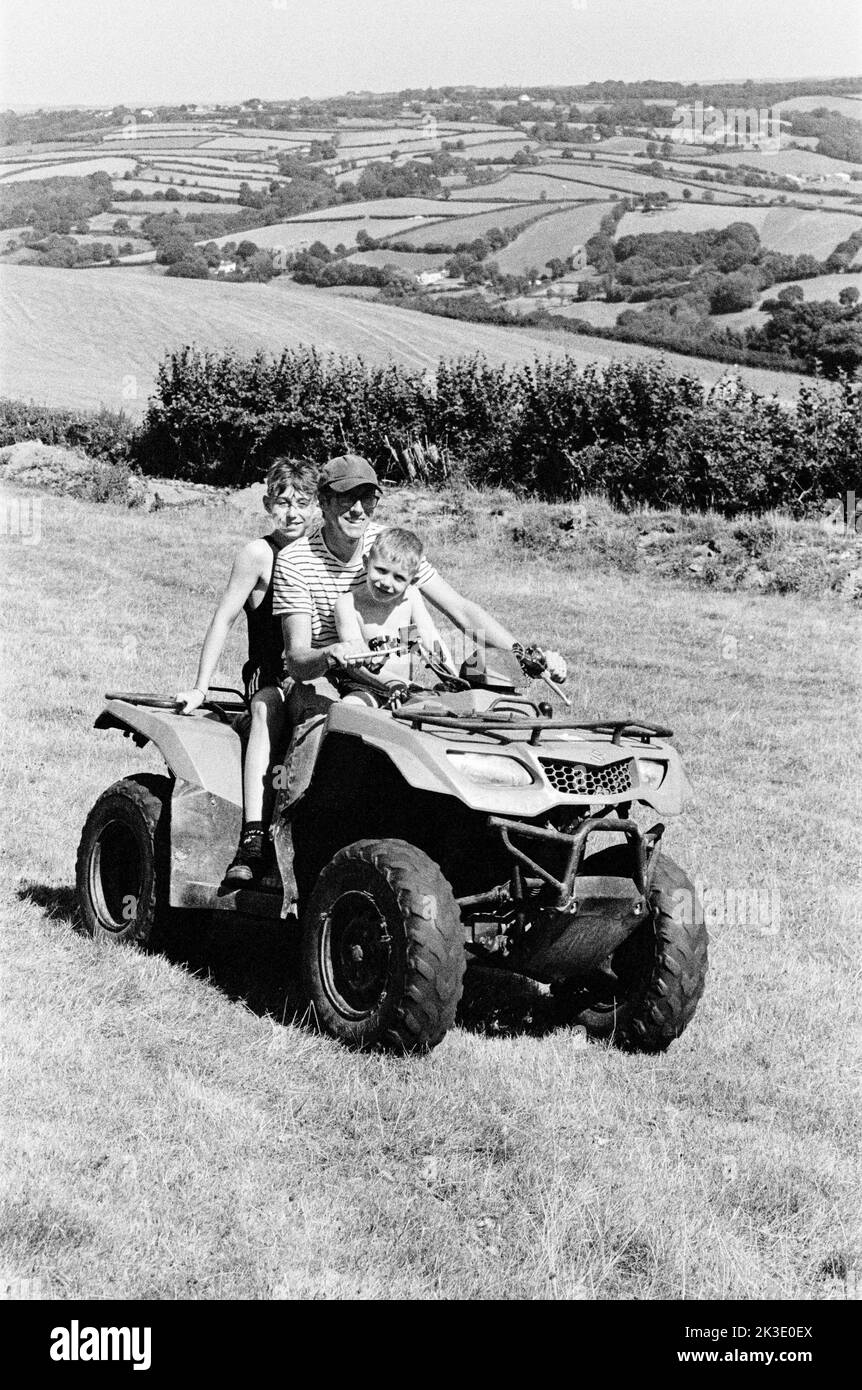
(405, 260)
(172, 1134)
(846, 106)
(819, 287)
(555, 235)
(528, 185)
(332, 231)
(98, 337)
(111, 164)
(167, 183)
(398, 207)
(142, 206)
(805, 162)
(468, 228)
(793, 230)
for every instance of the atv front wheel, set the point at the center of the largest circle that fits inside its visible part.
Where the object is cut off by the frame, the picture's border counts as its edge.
(121, 869)
(647, 991)
(382, 948)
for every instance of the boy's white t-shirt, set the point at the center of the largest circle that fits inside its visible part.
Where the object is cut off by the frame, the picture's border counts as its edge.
(308, 578)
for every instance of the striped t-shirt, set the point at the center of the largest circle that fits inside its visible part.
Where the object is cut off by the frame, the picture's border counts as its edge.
(308, 578)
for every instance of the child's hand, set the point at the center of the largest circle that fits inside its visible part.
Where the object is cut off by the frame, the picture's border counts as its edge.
(190, 700)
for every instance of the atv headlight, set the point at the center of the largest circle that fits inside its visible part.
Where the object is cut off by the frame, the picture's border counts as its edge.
(650, 772)
(491, 767)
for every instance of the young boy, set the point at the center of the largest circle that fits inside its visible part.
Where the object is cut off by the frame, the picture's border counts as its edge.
(289, 500)
(388, 604)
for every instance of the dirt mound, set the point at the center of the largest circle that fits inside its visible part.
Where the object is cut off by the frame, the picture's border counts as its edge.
(52, 468)
(48, 466)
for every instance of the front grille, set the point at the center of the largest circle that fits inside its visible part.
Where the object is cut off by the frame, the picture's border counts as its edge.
(572, 779)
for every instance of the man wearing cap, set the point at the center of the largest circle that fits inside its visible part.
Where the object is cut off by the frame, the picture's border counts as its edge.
(308, 577)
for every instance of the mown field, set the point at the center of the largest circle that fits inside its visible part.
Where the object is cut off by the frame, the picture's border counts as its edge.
(98, 336)
(172, 1133)
(792, 230)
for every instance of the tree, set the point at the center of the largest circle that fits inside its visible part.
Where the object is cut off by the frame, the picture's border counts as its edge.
(791, 294)
(848, 296)
(686, 193)
(175, 247)
(260, 266)
(192, 266)
(732, 293)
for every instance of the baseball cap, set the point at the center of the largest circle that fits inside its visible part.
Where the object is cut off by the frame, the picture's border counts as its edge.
(347, 471)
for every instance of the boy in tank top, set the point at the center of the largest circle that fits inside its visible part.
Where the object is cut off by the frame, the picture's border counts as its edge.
(289, 500)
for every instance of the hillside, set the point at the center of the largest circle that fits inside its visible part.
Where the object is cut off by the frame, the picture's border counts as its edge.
(171, 1133)
(97, 337)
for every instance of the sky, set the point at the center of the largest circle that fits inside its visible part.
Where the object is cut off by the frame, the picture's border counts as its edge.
(104, 52)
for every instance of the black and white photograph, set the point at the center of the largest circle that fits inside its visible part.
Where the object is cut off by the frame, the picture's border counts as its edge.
(431, 520)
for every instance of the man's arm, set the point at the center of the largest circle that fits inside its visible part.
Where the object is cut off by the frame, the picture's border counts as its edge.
(467, 615)
(471, 617)
(302, 661)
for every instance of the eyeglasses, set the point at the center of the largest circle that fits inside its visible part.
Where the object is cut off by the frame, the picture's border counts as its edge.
(293, 499)
(367, 497)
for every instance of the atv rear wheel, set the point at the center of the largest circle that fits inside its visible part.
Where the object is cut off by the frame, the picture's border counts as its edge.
(648, 991)
(382, 948)
(121, 869)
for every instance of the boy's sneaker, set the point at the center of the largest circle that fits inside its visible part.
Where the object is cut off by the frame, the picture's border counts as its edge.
(248, 861)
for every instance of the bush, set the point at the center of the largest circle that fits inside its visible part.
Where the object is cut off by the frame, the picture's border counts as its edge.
(103, 434)
(632, 430)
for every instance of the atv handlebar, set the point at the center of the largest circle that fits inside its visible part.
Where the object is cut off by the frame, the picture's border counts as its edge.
(533, 663)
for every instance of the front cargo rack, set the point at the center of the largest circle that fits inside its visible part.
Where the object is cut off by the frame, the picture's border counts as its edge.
(497, 724)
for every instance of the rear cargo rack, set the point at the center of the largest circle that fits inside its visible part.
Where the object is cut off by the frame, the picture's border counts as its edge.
(499, 724)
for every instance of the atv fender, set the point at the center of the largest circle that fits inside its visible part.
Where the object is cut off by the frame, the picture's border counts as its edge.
(199, 749)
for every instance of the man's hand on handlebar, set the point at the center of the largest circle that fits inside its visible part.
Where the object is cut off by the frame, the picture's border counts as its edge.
(349, 654)
(556, 666)
(536, 662)
(190, 700)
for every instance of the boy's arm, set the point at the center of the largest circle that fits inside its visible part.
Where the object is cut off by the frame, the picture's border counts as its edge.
(243, 577)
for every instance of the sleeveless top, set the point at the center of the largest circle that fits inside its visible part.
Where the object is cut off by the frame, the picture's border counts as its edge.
(265, 643)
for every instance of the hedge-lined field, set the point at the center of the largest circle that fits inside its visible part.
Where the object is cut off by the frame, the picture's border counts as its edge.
(631, 430)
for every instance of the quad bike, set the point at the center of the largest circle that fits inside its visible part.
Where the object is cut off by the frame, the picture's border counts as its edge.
(455, 823)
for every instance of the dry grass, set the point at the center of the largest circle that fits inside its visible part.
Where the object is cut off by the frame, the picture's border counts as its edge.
(83, 339)
(169, 1136)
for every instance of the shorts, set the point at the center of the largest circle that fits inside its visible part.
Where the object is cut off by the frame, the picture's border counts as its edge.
(255, 678)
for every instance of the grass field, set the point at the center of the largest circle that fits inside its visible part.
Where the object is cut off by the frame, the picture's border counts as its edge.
(793, 230)
(847, 106)
(74, 168)
(98, 337)
(467, 228)
(171, 1134)
(529, 185)
(143, 206)
(332, 231)
(397, 207)
(405, 260)
(819, 287)
(555, 235)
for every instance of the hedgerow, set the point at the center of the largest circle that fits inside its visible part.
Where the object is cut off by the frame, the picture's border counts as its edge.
(103, 434)
(633, 430)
